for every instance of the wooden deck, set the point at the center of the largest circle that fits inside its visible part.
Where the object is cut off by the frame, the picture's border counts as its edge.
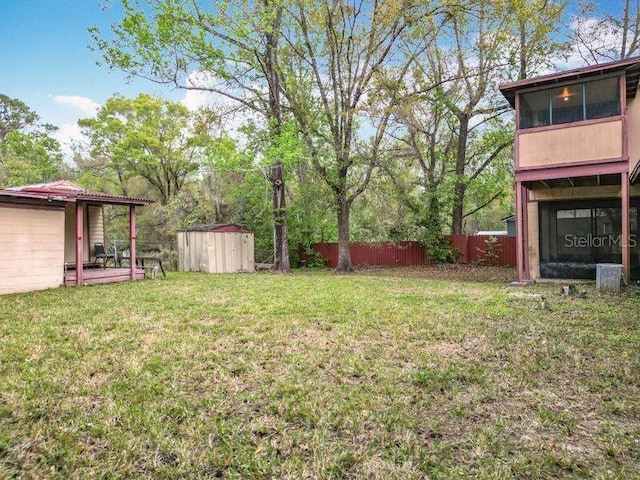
(94, 276)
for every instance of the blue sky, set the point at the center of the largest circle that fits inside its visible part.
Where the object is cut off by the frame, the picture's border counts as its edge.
(45, 60)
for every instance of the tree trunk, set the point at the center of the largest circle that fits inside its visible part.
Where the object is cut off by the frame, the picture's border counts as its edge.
(280, 237)
(457, 214)
(344, 255)
(624, 53)
(523, 54)
(458, 202)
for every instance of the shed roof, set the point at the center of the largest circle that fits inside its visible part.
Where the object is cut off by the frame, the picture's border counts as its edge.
(66, 191)
(631, 67)
(218, 227)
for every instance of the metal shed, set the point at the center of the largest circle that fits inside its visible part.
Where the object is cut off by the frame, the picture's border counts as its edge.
(216, 248)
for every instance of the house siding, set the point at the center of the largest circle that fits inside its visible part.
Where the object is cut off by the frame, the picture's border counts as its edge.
(95, 224)
(31, 245)
(633, 113)
(581, 193)
(534, 240)
(566, 144)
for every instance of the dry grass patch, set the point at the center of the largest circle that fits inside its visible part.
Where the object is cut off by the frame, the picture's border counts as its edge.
(316, 375)
(449, 271)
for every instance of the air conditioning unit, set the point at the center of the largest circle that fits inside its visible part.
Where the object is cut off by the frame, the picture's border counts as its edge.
(608, 277)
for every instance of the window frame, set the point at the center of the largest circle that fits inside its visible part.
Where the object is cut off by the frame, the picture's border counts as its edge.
(583, 84)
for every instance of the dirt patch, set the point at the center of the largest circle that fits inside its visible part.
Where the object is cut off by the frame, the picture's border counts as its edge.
(457, 272)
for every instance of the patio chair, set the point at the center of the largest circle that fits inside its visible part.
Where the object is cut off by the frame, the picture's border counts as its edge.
(99, 252)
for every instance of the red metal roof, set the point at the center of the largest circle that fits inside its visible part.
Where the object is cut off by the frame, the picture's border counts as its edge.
(64, 190)
(630, 65)
(218, 227)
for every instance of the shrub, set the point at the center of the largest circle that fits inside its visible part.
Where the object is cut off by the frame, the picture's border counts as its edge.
(490, 254)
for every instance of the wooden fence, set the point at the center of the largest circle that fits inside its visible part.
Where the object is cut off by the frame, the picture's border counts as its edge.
(473, 249)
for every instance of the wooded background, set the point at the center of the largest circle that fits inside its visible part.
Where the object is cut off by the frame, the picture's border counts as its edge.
(329, 120)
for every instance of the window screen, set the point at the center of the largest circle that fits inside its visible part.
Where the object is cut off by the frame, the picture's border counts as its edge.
(602, 98)
(587, 232)
(570, 103)
(534, 109)
(567, 104)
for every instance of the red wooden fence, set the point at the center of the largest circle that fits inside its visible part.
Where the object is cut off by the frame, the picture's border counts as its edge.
(472, 250)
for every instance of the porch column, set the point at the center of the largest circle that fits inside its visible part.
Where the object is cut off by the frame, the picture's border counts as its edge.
(626, 253)
(132, 240)
(525, 233)
(79, 243)
(522, 250)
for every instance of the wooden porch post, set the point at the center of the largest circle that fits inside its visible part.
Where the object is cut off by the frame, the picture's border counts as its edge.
(626, 254)
(525, 234)
(132, 239)
(79, 243)
(519, 233)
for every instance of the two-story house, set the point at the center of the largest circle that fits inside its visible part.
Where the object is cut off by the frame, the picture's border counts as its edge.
(577, 169)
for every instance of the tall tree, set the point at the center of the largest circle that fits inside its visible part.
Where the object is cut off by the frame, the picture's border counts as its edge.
(338, 51)
(478, 36)
(15, 115)
(228, 48)
(537, 41)
(424, 127)
(28, 152)
(449, 123)
(158, 140)
(487, 42)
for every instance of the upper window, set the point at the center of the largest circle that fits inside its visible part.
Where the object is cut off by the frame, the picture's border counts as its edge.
(570, 103)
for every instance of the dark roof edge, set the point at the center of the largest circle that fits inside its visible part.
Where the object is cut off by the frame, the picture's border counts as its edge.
(217, 227)
(47, 197)
(112, 199)
(52, 196)
(567, 74)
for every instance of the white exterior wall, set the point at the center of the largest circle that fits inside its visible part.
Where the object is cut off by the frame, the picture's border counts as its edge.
(31, 249)
(215, 252)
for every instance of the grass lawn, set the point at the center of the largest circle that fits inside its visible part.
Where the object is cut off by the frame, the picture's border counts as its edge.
(383, 374)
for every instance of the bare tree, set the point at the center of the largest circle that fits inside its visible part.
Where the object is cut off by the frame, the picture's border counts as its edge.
(605, 35)
(478, 38)
(339, 52)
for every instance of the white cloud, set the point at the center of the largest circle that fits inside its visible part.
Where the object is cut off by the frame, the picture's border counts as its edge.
(84, 104)
(234, 115)
(69, 134)
(600, 42)
(194, 99)
(71, 140)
